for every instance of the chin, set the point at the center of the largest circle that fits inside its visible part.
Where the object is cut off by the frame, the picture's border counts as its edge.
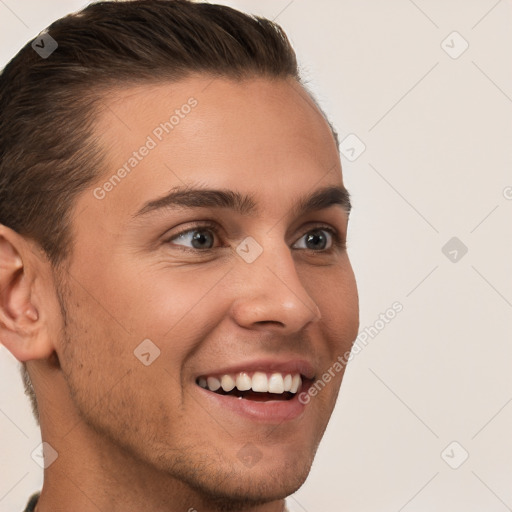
(233, 486)
(253, 487)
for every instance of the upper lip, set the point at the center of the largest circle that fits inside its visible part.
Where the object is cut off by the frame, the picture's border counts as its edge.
(295, 365)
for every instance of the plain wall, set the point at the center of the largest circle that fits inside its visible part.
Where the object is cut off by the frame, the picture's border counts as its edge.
(437, 131)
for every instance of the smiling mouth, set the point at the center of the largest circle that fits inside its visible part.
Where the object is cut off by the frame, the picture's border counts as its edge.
(255, 386)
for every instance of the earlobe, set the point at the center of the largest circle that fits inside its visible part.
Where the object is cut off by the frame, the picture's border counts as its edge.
(22, 330)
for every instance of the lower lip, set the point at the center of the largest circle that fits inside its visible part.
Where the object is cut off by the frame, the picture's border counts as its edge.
(273, 411)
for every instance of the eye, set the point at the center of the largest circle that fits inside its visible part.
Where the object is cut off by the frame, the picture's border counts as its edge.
(319, 239)
(199, 238)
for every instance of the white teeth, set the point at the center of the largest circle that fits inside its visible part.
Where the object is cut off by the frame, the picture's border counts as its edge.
(288, 382)
(260, 382)
(243, 382)
(296, 383)
(276, 383)
(213, 383)
(227, 382)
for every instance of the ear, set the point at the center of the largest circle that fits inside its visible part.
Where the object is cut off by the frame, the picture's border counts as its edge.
(25, 280)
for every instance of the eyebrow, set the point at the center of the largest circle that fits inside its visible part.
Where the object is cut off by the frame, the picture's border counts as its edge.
(243, 204)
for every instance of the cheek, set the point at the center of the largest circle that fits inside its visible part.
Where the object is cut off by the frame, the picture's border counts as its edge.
(337, 297)
(158, 302)
(115, 386)
(125, 305)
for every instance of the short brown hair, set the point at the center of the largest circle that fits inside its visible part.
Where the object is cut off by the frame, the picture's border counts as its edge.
(48, 105)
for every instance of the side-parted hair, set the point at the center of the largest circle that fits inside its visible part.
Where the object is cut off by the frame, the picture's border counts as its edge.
(48, 148)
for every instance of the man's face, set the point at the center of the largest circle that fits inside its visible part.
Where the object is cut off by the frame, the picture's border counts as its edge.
(213, 302)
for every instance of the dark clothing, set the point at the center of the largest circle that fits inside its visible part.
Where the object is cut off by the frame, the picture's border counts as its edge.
(32, 502)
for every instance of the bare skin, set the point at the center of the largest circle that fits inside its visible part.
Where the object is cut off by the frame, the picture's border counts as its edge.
(135, 437)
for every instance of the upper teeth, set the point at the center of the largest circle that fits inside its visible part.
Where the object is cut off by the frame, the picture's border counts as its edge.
(259, 382)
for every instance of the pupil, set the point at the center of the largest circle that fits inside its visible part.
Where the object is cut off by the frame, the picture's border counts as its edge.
(200, 237)
(315, 238)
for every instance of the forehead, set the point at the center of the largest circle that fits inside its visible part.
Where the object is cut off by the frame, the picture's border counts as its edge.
(215, 132)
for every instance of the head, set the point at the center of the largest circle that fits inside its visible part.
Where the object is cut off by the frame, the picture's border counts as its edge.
(172, 213)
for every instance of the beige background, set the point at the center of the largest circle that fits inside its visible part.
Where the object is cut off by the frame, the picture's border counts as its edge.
(437, 165)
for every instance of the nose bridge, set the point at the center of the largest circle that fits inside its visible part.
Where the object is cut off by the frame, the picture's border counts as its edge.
(271, 290)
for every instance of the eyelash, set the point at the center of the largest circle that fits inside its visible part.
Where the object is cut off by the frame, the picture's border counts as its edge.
(337, 243)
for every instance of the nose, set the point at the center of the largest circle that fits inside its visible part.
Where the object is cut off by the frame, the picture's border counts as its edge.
(271, 295)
